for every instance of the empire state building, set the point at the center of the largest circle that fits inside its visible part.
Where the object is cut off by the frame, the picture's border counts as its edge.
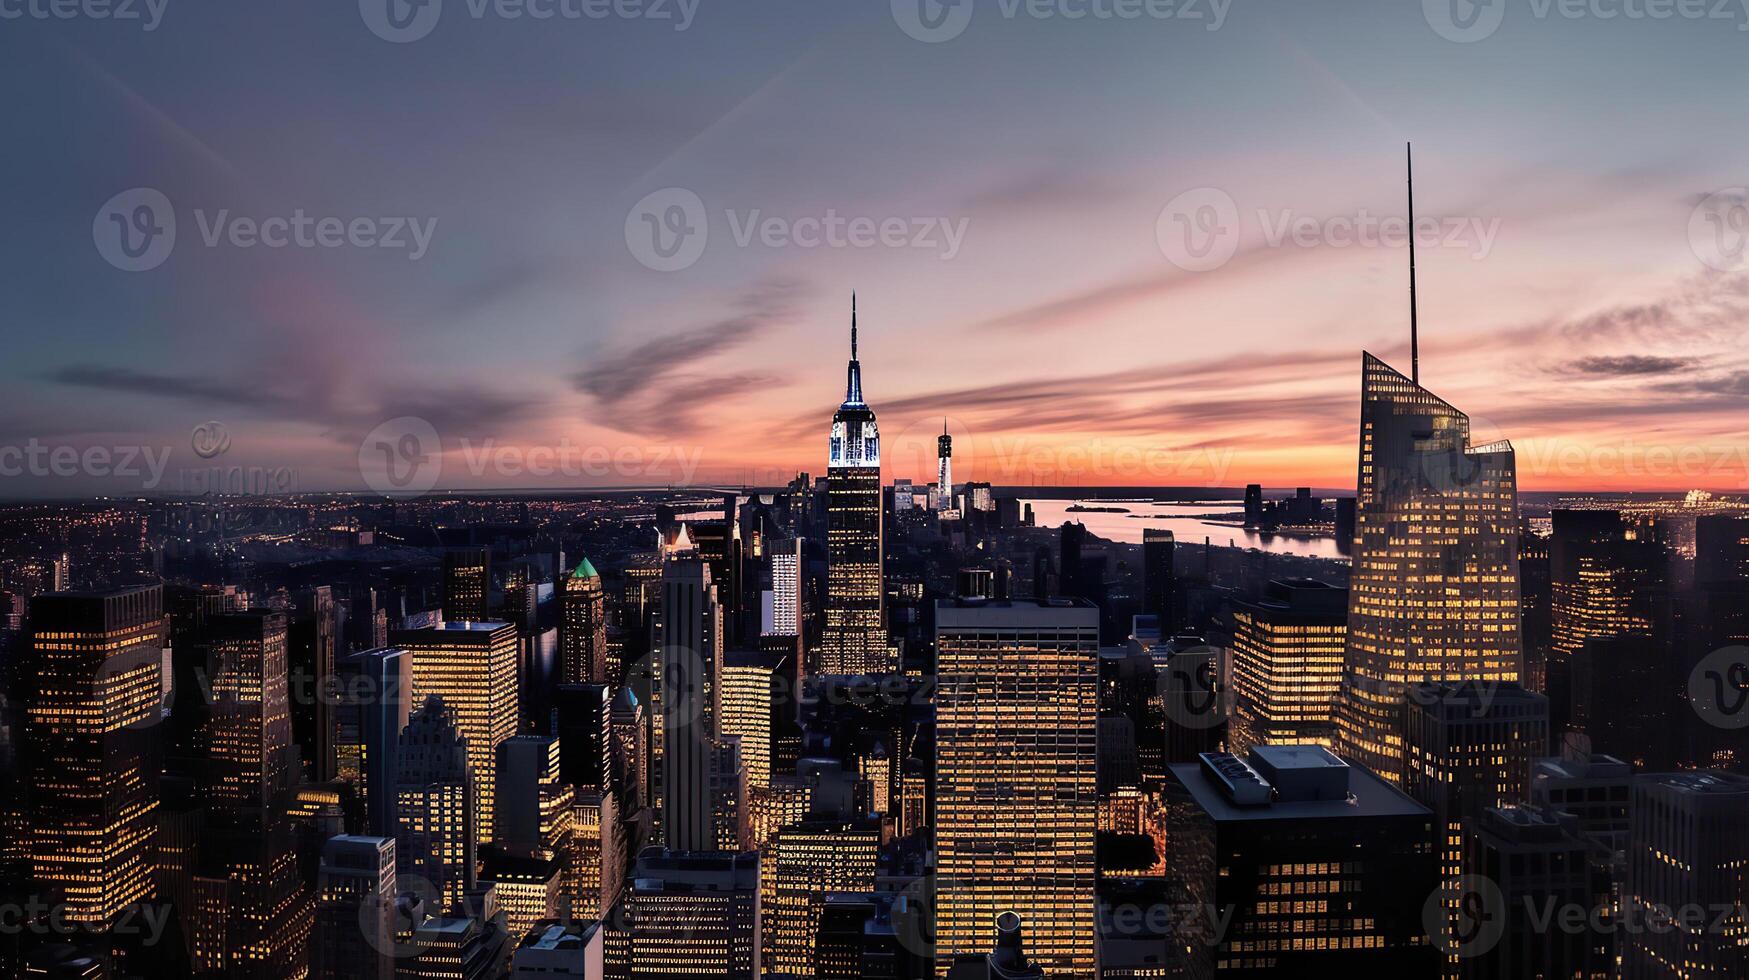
(855, 637)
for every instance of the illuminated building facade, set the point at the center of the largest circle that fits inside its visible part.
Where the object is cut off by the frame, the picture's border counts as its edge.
(780, 614)
(251, 729)
(1605, 572)
(93, 781)
(854, 640)
(472, 666)
(467, 584)
(1433, 595)
(438, 835)
(1287, 664)
(1016, 806)
(583, 653)
(803, 864)
(748, 703)
(944, 469)
(1469, 747)
(1322, 867)
(688, 915)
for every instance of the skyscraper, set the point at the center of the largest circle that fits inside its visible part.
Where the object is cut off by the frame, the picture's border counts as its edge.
(1287, 664)
(688, 915)
(1015, 780)
(467, 584)
(92, 778)
(310, 656)
(944, 472)
(803, 864)
(437, 839)
(692, 637)
(1320, 868)
(1433, 595)
(373, 703)
(471, 665)
(1687, 851)
(1604, 572)
(855, 636)
(355, 910)
(251, 726)
(583, 629)
(1159, 584)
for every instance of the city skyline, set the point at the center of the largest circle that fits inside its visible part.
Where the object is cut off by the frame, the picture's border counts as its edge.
(1595, 329)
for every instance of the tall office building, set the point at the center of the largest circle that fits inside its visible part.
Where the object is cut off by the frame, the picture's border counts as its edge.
(92, 777)
(1604, 572)
(251, 729)
(1434, 588)
(944, 470)
(312, 647)
(1321, 868)
(355, 910)
(1687, 850)
(373, 702)
(1016, 808)
(534, 801)
(855, 636)
(1159, 580)
(750, 683)
(1539, 863)
(1469, 747)
(691, 651)
(467, 584)
(583, 656)
(582, 722)
(1287, 664)
(688, 915)
(472, 667)
(780, 612)
(800, 867)
(437, 838)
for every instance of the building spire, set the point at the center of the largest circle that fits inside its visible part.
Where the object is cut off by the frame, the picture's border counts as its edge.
(1414, 324)
(853, 382)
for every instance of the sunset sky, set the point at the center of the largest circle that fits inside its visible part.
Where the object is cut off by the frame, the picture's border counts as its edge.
(1571, 301)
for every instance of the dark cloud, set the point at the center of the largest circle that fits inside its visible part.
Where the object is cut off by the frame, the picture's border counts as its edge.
(649, 387)
(1630, 366)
